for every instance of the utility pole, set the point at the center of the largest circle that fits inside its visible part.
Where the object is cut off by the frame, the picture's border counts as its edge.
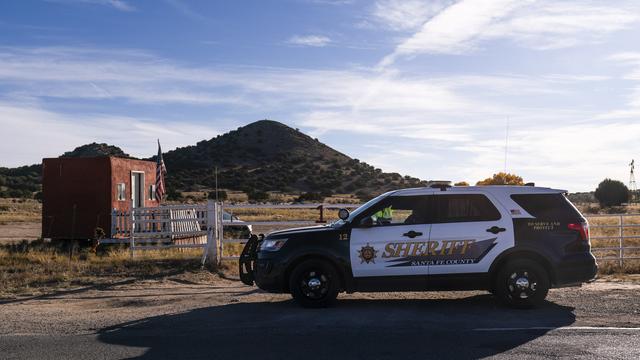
(216, 177)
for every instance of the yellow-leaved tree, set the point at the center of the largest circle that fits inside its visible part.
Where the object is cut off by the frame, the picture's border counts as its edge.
(502, 178)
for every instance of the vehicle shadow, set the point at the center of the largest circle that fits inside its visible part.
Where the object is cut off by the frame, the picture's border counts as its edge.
(465, 328)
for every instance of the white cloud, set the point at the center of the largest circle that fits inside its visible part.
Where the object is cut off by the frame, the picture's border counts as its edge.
(404, 15)
(550, 25)
(462, 27)
(30, 133)
(309, 40)
(632, 111)
(458, 120)
(454, 29)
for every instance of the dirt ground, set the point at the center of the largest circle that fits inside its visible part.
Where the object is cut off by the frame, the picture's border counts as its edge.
(18, 231)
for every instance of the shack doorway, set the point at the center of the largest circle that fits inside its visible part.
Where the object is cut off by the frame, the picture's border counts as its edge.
(137, 188)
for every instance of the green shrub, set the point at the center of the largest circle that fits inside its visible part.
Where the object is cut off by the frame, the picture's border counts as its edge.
(257, 195)
(173, 194)
(612, 193)
(311, 197)
(222, 195)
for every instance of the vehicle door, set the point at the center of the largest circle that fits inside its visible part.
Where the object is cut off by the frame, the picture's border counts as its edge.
(469, 230)
(393, 246)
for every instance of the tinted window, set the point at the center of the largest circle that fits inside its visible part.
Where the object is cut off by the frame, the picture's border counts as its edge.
(400, 210)
(547, 206)
(465, 208)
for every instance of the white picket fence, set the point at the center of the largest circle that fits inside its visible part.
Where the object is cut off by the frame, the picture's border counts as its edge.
(169, 226)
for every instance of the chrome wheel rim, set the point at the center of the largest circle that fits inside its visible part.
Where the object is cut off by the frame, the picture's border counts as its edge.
(314, 284)
(522, 284)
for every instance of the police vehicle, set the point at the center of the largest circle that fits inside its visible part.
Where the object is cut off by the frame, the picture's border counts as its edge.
(514, 241)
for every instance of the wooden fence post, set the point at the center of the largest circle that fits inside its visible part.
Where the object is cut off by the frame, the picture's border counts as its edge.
(211, 250)
(132, 229)
(114, 225)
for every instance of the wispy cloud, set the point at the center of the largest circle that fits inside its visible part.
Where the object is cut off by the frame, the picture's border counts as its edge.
(121, 5)
(309, 40)
(457, 116)
(31, 123)
(331, 2)
(629, 60)
(462, 27)
(404, 15)
(185, 10)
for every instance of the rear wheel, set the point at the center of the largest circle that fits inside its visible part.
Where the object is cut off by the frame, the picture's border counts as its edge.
(522, 284)
(314, 284)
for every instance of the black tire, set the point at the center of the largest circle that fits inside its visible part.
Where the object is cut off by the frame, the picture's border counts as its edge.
(522, 284)
(314, 284)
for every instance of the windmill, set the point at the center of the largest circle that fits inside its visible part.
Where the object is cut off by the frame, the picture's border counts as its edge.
(633, 189)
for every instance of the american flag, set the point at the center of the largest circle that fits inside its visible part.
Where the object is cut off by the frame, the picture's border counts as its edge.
(161, 171)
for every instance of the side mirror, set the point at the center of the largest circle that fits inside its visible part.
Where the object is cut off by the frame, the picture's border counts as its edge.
(343, 214)
(366, 222)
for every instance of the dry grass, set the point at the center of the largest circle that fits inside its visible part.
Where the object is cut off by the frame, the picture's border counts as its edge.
(283, 214)
(19, 210)
(595, 208)
(37, 267)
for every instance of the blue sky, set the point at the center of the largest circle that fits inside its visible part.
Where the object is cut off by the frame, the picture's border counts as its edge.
(424, 88)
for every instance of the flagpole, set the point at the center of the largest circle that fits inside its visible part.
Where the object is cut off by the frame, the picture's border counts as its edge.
(160, 173)
(158, 162)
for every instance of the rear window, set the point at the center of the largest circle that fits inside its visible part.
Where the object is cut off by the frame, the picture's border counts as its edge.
(547, 206)
(465, 208)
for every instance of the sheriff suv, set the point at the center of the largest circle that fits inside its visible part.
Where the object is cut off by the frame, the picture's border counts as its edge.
(514, 241)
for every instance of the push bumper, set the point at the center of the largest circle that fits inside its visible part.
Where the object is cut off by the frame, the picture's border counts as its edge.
(261, 269)
(269, 276)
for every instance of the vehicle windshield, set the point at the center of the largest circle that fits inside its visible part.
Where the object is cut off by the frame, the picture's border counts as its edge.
(360, 209)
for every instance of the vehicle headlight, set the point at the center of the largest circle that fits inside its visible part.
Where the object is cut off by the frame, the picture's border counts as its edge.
(272, 244)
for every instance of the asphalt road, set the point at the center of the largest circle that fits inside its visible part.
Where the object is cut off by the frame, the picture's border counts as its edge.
(322, 344)
(224, 320)
(465, 328)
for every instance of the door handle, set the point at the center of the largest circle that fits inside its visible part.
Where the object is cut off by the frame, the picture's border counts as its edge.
(412, 234)
(495, 229)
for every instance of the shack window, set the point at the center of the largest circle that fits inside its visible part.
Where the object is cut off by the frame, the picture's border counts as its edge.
(121, 191)
(152, 192)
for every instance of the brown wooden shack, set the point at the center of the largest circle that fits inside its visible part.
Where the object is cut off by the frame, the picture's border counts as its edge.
(79, 194)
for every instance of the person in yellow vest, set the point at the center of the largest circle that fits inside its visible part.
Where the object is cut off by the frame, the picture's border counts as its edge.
(383, 216)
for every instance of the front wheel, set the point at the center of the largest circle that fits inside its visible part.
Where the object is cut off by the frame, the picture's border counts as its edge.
(522, 284)
(314, 284)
